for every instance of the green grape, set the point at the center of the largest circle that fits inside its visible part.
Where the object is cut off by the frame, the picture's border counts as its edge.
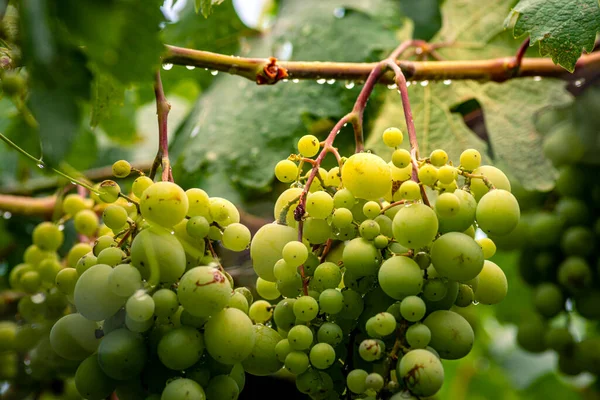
(86, 222)
(371, 349)
(287, 200)
(438, 157)
(30, 282)
(434, 289)
(8, 335)
(140, 306)
(300, 337)
(381, 242)
(447, 205)
(418, 336)
(342, 218)
(374, 381)
(91, 382)
(367, 176)
(369, 229)
(322, 356)
(263, 359)
(327, 276)
(66, 279)
(286, 171)
(158, 255)
(319, 205)
(401, 158)
(282, 349)
(124, 280)
(498, 212)
(283, 315)
(465, 216)
(344, 198)
(308, 145)
(223, 211)
(333, 178)
(47, 236)
(548, 299)
(74, 337)
(197, 227)
(409, 190)
(229, 336)
(470, 159)
(73, 203)
(545, 229)
(103, 242)
(451, 335)
(493, 175)
(465, 296)
(93, 297)
(294, 253)
(165, 303)
(267, 246)
(115, 217)
(578, 241)
(204, 291)
(215, 234)
(180, 348)
(446, 174)
(371, 209)
(238, 375)
(260, 311)
(470, 231)
(392, 137)
(122, 354)
(356, 381)
(428, 174)
(77, 251)
(361, 257)
(415, 226)
(384, 324)
(283, 270)
(85, 262)
(164, 204)
(316, 231)
(412, 308)
(222, 387)
(353, 304)
(183, 389)
(586, 304)
(121, 169)
(575, 274)
(529, 333)
(109, 191)
(198, 203)
(487, 246)
(290, 287)
(306, 308)
(492, 285)
(331, 301)
(422, 372)
(400, 277)
(296, 362)
(330, 333)
(267, 290)
(110, 256)
(571, 181)
(239, 301)
(423, 259)
(572, 210)
(236, 237)
(140, 184)
(457, 256)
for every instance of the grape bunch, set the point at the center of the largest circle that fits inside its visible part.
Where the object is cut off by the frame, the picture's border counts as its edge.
(367, 280)
(558, 241)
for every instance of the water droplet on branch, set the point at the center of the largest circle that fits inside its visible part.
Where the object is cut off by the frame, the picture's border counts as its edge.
(214, 72)
(447, 81)
(331, 81)
(190, 67)
(167, 66)
(339, 12)
(349, 84)
(321, 81)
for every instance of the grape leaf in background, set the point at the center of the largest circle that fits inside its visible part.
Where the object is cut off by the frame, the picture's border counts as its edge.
(426, 17)
(563, 28)
(206, 6)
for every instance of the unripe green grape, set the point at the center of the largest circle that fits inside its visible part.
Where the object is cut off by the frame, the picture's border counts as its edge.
(423, 259)
(371, 209)
(124, 280)
(122, 354)
(12, 83)
(333, 178)
(451, 335)
(239, 301)
(236, 237)
(296, 362)
(263, 359)
(465, 296)
(412, 308)
(73, 203)
(487, 246)
(322, 356)
(260, 311)
(374, 381)
(180, 348)
(222, 387)
(418, 336)
(204, 291)
(286, 171)
(381, 242)
(91, 286)
(331, 301)
(392, 137)
(103, 242)
(356, 381)
(415, 226)
(315, 186)
(223, 211)
(428, 174)
(327, 275)
(47, 236)
(410, 190)
(110, 256)
(158, 255)
(267, 246)
(229, 336)
(183, 389)
(164, 203)
(91, 382)
(434, 289)
(353, 304)
(284, 271)
(548, 299)
(86, 222)
(282, 349)
(294, 253)
(198, 203)
(438, 158)
(369, 229)
(140, 306)
(470, 159)
(572, 210)
(529, 333)
(85, 263)
(401, 158)
(578, 241)
(367, 176)
(383, 324)
(48, 269)
(494, 176)
(344, 198)
(76, 252)
(319, 205)
(300, 337)
(109, 191)
(330, 333)
(121, 169)
(140, 184)
(430, 376)
(446, 174)
(66, 279)
(465, 216)
(342, 218)
(115, 217)
(498, 212)
(197, 227)
(457, 256)
(165, 303)
(316, 231)
(400, 276)
(290, 287)
(559, 339)
(447, 205)
(361, 257)
(306, 308)
(74, 337)
(308, 145)
(267, 290)
(575, 274)
(30, 282)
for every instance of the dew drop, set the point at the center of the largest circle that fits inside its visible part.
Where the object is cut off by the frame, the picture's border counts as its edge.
(339, 12)
(190, 67)
(286, 80)
(38, 298)
(349, 84)
(537, 78)
(214, 72)
(61, 227)
(6, 215)
(392, 86)
(475, 302)
(321, 81)
(447, 81)
(211, 156)
(569, 305)
(195, 131)
(167, 66)
(579, 82)
(424, 83)
(295, 80)
(41, 166)
(408, 84)
(330, 81)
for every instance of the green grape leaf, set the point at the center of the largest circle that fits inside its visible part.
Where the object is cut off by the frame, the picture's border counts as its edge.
(206, 6)
(426, 16)
(563, 29)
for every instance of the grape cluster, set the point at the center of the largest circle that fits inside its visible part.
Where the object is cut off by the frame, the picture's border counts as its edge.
(372, 278)
(558, 239)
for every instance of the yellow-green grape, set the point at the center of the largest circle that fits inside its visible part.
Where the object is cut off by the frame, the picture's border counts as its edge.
(401, 174)
(48, 236)
(199, 203)
(223, 211)
(410, 190)
(470, 159)
(294, 253)
(371, 209)
(356, 381)
(401, 158)
(109, 191)
(451, 335)
(306, 308)
(465, 296)
(236, 237)
(73, 203)
(111, 256)
(367, 176)
(369, 229)
(488, 246)
(457, 256)
(140, 184)
(266, 248)
(296, 362)
(392, 137)
(30, 282)
(76, 252)
(286, 171)
(267, 290)
(316, 231)
(308, 145)
(447, 174)
(415, 226)
(343, 198)
(319, 205)
(158, 255)
(315, 186)
(374, 381)
(495, 176)
(164, 203)
(86, 222)
(447, 205)
(428, 174)
(263, 360)
(400, 276)
(229, 336)
(115, 217)
(360, 257)
(66, 279)
(204, 291)
(322, 356)
(438, 158)
(91, 381)
(492, 285)
(283, 201)
(74, 337)
(48, 269)
(260, 311)
(333, 177)
(121, 169)
(197, 227)
(93, 297)
(381, 241)
(85, 262)
(430, 376)
(102, 243)
(498, 212)
(342, 218)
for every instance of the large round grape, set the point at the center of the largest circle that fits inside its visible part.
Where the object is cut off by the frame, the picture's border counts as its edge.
(465, 216)
(415, 226)
(229, 336)
(263, 359)
(164, 203)
(122, 354)
(93, 297)
(204, 291)
(182, 389)
(457, 256)
(422, 372)
(74, 337)
(266, 248)
(361, 257)
(158, 255)
(400, 277)
(284, 200)
(492, 285)
(498, 212)
(451, 335)
(91, 382)
(180, 348)
(494, 175)
(367, 176)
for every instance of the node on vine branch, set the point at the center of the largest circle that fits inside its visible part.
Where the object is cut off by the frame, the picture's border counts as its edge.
(271, 73)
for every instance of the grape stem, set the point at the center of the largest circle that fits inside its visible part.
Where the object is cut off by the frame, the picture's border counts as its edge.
(162, 111)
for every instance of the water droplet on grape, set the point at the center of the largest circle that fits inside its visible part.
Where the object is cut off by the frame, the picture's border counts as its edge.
(349, 84)
(475, 302)
(6, 215)
(392, 86)
(339, 12)
(579, 82)
(537, 78)
(214, 72)
(569, 305)
(424, 83)
(447, 81)
(61, 227)
(41, 166)
(321, 81)
(167, 66)
(331, 81)
(190, 67)
(38, 298)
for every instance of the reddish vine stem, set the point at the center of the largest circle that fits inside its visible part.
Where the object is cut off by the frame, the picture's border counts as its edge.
(162, 155)
(518, 60)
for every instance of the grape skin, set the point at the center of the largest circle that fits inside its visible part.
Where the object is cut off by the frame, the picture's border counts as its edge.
(164, 203)
(451, 335)
(229, 336)
(400, 277)
(498, 212)
(204, 291)
(415, 226)
(422, 372)
(367, 176)
(263, 359)
(266, 248)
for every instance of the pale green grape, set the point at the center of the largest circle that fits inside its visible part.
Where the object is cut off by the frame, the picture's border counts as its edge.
(410, 190)
(465, 296)
(140, 184)
(572, 210)
(361, 257)
(451, 335)
(487, 246)
(283, 270)
(66, 279)
(367, 176)
(465, 216)
(300, 337)
(322, 356)
(239, 301)
(121, 169)
(74, 337)
(470, 159)
(30, 282)
(109, 191)
(294, 253)
(578, 241)
(91, 382)
(86, 222)
(401, 158)
(356, 381)
(290, 287)
(215, 233)
(400, 277)
(204, 291)
(381, 242)
(183, 389)
(530, 332)
(222, 387)
(371, 349)
(77, 251)
(319, 205)
(371, 209)
(418, 336)
(447, 174)
(124, 280)
(306, 308)
(447, 205)
(353, 304)
(47, 236)
(327, 276)
(282, 349)
(498, 212)
(548, 299)
(559, 339)
(288, 198)
(34, 255)
(438, 157)
(428, 174)
(415, 226)
(236, 237)
(263, 359)
(122, 354)
(93, 297)
(333, 178)
(344, 198)
(392, 137)
(158, 255)
(369, 229)
(115, 217)
(267, 290)
(283, 315)
(260, 311)
(316, 231)
(492, 285)
(308, 145)
(422, 372)
(8, 335)
(286, 171)
(330, 333)
(73, 203)
(223, 211)
(374, 381)
(229, 336)
(494, 176)
(140, 306)
(384, 324)
(180, 348)
(198, 203)
(412, 308)
(110, 256)
(457, 256)
(342, 218)
(103, 242)
(164, 203)
(165, 303)
(266, 248)
(296, 362)
(197, 227)
(331, 301)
